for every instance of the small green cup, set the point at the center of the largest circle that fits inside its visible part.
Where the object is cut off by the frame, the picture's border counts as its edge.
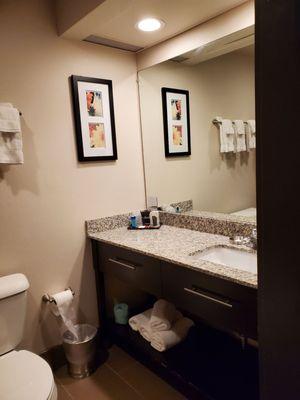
(121, 313)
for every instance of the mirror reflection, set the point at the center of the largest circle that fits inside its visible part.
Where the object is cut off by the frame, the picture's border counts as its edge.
(197, 117)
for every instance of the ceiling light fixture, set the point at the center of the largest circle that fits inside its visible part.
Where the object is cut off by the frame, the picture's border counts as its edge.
(150, 24)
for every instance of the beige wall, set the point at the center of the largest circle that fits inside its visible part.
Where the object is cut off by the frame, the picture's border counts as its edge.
(223, 86)
(44, 203)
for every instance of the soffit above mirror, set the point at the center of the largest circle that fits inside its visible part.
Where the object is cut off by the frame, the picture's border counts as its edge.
(112, 22)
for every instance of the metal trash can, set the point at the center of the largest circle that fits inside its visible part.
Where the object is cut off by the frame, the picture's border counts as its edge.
(81, 352)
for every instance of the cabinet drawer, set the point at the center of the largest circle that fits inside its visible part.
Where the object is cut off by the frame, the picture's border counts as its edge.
(136, 269)
(214, 300)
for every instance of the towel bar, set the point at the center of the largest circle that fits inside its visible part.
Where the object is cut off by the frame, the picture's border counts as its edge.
(215, 121)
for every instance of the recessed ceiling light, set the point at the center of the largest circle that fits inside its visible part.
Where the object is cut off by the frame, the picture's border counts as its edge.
(150, 24)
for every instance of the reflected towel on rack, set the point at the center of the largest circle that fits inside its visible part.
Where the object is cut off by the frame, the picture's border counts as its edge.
(10, 135)
(251, 134)
(226, 135)
(240, 132)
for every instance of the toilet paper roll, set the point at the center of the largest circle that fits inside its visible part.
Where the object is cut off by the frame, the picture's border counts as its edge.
(62, 298)
(62, 303)
(64, 309)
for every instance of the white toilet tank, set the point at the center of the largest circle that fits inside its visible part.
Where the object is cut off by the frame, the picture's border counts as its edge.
(13, 299)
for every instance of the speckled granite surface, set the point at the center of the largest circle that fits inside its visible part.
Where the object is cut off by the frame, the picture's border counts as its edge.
(185, 206)
(222, 216)
(107, 223)
(176, 245)
(215, 223)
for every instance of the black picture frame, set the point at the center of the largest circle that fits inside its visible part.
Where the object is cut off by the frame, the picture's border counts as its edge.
(75, 79)
(167, 133)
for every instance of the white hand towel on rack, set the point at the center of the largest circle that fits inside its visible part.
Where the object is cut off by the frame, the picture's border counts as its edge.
(251, 134)
(164, 340)
(239, 128)
(10, 135)
(226, 135)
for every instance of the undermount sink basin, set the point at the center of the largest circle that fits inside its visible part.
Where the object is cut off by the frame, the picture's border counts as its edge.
(231, 257)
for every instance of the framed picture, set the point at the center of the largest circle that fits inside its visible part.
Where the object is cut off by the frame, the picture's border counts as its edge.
(94, 119)
(176, 117)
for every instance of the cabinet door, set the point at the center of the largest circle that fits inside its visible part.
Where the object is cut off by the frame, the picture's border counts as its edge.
(219, 302)
(136, 269)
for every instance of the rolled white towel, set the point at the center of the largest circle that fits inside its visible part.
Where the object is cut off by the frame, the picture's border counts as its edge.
(146, 331)
(145, 328)
(164, 340)
(163, 315)
(139, 320)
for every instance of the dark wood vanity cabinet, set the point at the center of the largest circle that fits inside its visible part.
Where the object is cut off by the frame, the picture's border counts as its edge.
(219, 302)
(133, 268)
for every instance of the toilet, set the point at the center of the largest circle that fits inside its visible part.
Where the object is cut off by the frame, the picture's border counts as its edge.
(23, 374)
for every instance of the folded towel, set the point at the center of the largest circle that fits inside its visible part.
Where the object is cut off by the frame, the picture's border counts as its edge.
(9, 118)
(139, 320)
(10, 135)
(163, 340)
(11, 148)
(163, 315)
(146, 331)
(251, 134)
(239, 128)
(226, 135)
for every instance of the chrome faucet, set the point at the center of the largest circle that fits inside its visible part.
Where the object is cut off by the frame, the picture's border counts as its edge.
(250, 241)
(253, 238)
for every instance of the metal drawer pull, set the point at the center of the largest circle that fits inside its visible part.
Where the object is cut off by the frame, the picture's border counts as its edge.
(129, 266)
(205, 296)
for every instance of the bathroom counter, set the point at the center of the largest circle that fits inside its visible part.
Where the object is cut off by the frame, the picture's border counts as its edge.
(175, 245)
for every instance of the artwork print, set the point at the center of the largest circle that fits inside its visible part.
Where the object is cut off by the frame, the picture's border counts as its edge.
(176, 122)
(94, 119)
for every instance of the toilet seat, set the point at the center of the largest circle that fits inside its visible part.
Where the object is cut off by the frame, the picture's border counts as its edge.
(25, 376)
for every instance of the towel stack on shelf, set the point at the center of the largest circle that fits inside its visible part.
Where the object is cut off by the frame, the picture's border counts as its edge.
(236, 136)
(163, 326)
(10, 135)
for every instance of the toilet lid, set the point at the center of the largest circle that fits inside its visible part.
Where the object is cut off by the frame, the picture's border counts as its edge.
(24, 376)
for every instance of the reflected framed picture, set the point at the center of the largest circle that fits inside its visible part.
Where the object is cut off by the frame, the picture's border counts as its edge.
(176, 118)
(94, 119)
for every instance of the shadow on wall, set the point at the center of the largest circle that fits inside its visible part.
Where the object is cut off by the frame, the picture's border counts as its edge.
(23, 176)
(86, 299)
(82, 281)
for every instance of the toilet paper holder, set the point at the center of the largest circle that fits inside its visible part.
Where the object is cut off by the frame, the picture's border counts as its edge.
(49, 299)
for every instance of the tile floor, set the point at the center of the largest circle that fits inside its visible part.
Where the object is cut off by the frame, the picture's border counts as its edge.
(120, 378)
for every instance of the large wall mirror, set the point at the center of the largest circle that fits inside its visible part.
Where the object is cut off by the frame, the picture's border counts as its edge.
(220, 86)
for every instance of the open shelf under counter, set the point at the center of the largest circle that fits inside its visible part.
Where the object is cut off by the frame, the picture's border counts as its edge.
(207, 365)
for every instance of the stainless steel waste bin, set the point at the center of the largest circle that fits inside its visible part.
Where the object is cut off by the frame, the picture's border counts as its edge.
(81, 351)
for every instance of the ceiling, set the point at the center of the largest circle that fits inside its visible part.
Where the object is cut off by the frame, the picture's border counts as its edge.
(115, 20)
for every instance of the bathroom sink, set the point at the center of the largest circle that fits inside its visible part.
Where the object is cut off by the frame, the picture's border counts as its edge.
(231, 257)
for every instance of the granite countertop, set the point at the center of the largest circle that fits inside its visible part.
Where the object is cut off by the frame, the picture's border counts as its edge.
(176, 245)
(221, 216)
